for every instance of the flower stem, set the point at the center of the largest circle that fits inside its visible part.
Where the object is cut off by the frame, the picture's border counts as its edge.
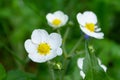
(51, 71)
(67, 60)
(60, 76)
(76, 46)
(64, 41)
(58, 31)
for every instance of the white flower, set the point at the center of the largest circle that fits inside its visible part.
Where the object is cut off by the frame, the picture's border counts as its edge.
(80, 65)
(57, 19)
(42, 46)
(88, 21)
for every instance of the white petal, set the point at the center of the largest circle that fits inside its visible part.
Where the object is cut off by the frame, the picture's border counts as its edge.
(98, 35)
(59, 51)
(64, 20)
(82, 74)
(86, 17)
(55, 40)
(51, 55)
(104, 67)
(96, 26)
(59, 14)
(39, 35)
(36, 57)
(30, 46)
(98, 29)
(50, 17)
(80, 63)
(81, 19)
(90, 17)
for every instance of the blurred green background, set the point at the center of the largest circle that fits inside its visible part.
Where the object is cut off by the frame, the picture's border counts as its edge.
(18, 18)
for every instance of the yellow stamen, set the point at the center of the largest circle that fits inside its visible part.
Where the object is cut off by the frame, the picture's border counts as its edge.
(43, 48)
(90, 27)
(56, 22)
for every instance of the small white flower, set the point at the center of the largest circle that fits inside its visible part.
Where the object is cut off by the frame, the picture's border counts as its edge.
(101, 65)
(82, 74)
(57, 19)
(42, 46)
(80, 65)
(88, 21)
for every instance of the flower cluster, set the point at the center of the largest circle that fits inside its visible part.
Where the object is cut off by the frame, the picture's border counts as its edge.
(43, 47)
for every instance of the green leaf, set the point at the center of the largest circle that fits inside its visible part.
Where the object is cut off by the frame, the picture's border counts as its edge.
(75, 75)
(20, 75)
(2, 72)
(92, 69)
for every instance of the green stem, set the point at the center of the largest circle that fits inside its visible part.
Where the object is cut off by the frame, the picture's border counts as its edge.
(67, 60)
(64, 41)
(60, 77)
(80, 52)
(76, 46)
(58, 31)
(88, 56)
(51, 71)
(65, 64)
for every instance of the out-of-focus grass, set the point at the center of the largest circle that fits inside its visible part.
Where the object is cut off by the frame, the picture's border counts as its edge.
(18, 18)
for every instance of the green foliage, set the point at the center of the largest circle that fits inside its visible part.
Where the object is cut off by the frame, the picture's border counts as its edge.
(18, 18)
(2, 72)
(91, 67)
(20, 75)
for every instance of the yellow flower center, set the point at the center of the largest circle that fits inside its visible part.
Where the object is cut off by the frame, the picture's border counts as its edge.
(43, 48)
(90, 27)
(56, 22)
